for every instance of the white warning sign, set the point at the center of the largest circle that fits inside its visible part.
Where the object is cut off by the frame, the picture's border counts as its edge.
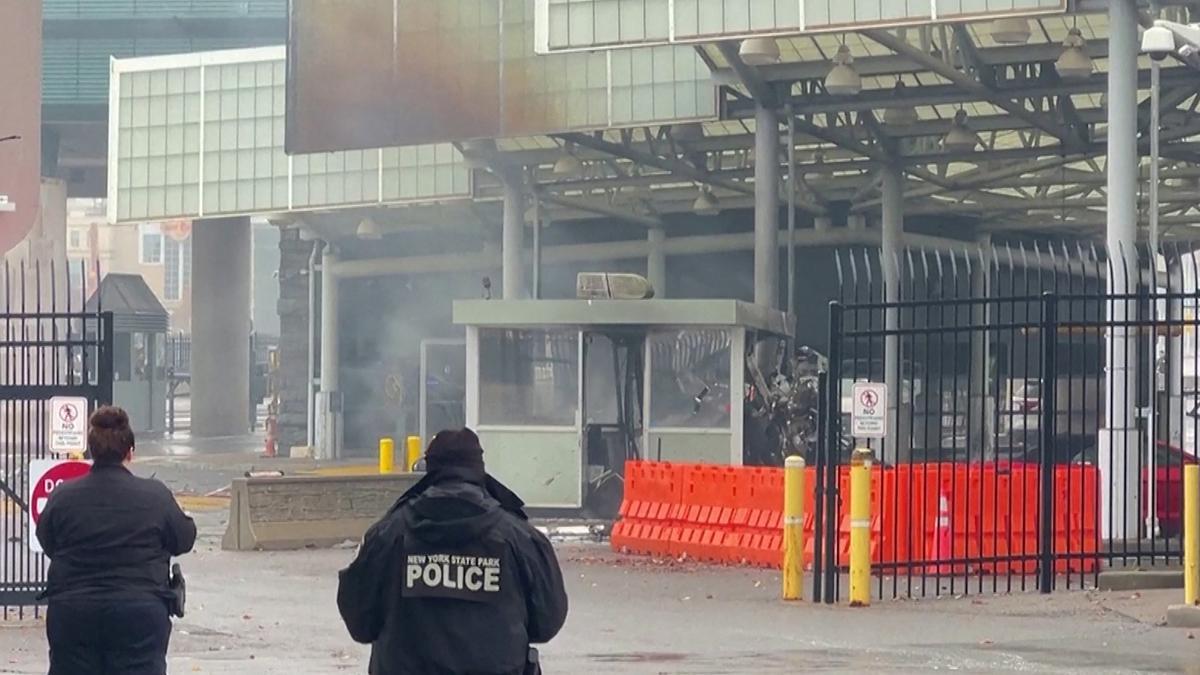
(68, 424)
(868, 415)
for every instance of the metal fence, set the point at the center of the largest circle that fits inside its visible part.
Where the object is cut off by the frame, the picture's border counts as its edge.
(49, 346)
(178, 355)
(1008, 464)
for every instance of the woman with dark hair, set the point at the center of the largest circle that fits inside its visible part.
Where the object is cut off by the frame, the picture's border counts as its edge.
(110, 536)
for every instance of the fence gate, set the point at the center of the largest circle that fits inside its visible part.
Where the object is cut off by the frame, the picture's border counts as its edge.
(49, 346)
(1007, 465)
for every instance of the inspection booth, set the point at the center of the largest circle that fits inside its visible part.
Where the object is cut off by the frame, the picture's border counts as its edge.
(140, 325)
(562, 392)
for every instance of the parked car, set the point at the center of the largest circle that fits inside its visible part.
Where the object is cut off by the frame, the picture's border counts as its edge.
(1169, 461)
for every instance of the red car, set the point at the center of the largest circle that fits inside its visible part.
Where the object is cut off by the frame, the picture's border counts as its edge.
(1168, 487)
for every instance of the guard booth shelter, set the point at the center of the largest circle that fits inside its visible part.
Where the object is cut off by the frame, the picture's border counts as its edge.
(562, 392)
(139, 349)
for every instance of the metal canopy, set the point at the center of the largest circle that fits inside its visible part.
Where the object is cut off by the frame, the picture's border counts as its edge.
(1038, 168)
(566, 25)
(629, 313)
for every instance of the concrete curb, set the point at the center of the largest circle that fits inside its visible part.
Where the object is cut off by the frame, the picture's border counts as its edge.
(1183, 616)
(1140, 580)
(289, 513)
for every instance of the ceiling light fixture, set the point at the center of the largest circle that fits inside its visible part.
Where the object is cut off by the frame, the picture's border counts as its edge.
(901, 114)
(843, 79)
(1074, 63)
(706, 203)
(369, 230)
(568, 164)
(759, 51)
(1010, 31)
(960, 138)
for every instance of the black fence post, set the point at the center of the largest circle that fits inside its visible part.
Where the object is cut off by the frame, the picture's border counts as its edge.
(104, 365)
(1047, 423)
(828, 543)
(819, 487)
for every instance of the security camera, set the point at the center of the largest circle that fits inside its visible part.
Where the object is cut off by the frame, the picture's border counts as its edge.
(1190, 55)
(1158, 42)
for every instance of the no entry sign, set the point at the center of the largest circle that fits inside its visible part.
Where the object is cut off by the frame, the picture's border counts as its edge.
(868, 416)
(68, 424)
(44, 476)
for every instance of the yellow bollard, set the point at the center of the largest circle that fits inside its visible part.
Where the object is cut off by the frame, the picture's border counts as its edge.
(1191, 534)
(860, 527)
(793, 528)
(387, 455)
(413, 452)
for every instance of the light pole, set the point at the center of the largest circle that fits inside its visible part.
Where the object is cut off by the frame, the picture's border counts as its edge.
(1163, 39)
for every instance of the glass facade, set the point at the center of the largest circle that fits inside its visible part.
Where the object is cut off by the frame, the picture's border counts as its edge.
(198, 138)
(589, 24)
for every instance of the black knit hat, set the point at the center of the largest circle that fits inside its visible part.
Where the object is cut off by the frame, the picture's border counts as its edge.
(454, 448)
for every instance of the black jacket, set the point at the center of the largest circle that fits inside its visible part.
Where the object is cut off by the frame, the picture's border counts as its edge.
(111, 535)
(453, 581)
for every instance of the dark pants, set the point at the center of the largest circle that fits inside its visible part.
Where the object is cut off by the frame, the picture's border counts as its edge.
(89, 637)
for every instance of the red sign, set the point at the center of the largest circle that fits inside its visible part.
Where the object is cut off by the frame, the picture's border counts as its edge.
(179, 230)
(44, 477)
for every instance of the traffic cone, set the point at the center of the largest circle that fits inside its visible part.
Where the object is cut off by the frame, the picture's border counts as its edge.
(941, 545)
(269, 446)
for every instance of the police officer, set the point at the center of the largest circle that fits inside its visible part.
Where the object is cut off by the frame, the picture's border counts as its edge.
(454, 579)
(110, 536)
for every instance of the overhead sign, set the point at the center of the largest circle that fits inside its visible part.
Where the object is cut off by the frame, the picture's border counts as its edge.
(45, 475)
(439, 71)
(68, 424)
(868, 414)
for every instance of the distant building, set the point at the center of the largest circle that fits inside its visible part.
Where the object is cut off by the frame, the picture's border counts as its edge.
(162, 254)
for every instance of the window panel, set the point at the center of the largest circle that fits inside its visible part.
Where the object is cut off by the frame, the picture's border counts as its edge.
(150, 244)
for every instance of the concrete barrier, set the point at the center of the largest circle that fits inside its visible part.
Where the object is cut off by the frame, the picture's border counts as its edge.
(294, 512)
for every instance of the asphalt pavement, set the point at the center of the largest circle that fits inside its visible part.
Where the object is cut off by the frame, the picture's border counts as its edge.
(274, 613)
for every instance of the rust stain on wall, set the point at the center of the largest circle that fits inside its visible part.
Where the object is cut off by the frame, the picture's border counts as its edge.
(441, 79)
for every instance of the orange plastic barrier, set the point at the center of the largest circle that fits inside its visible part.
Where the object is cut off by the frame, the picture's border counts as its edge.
(734, 515)
(650, 508)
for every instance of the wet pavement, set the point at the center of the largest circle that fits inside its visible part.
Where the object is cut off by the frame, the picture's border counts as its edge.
(274, 613)
(260, 613)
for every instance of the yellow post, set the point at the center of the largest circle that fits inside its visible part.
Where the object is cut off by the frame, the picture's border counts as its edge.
(387, 455)
(412, 452)
(793, 528)
(860, 527)
(1191, 534)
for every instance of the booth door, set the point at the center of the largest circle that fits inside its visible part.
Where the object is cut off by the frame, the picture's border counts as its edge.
(613, 390)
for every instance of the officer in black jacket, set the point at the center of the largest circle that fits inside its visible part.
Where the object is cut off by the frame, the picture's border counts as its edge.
(110, 536)
(454, 580)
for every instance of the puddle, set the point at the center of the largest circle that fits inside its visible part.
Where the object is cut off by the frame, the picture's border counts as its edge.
(639, 657)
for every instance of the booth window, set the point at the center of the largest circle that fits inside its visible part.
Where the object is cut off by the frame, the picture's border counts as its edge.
(528, 378)
(177, 268)
(150, 244)
(690, 379)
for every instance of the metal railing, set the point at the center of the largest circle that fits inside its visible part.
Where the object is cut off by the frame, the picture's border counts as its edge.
(50, 345)
(1042, 406)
